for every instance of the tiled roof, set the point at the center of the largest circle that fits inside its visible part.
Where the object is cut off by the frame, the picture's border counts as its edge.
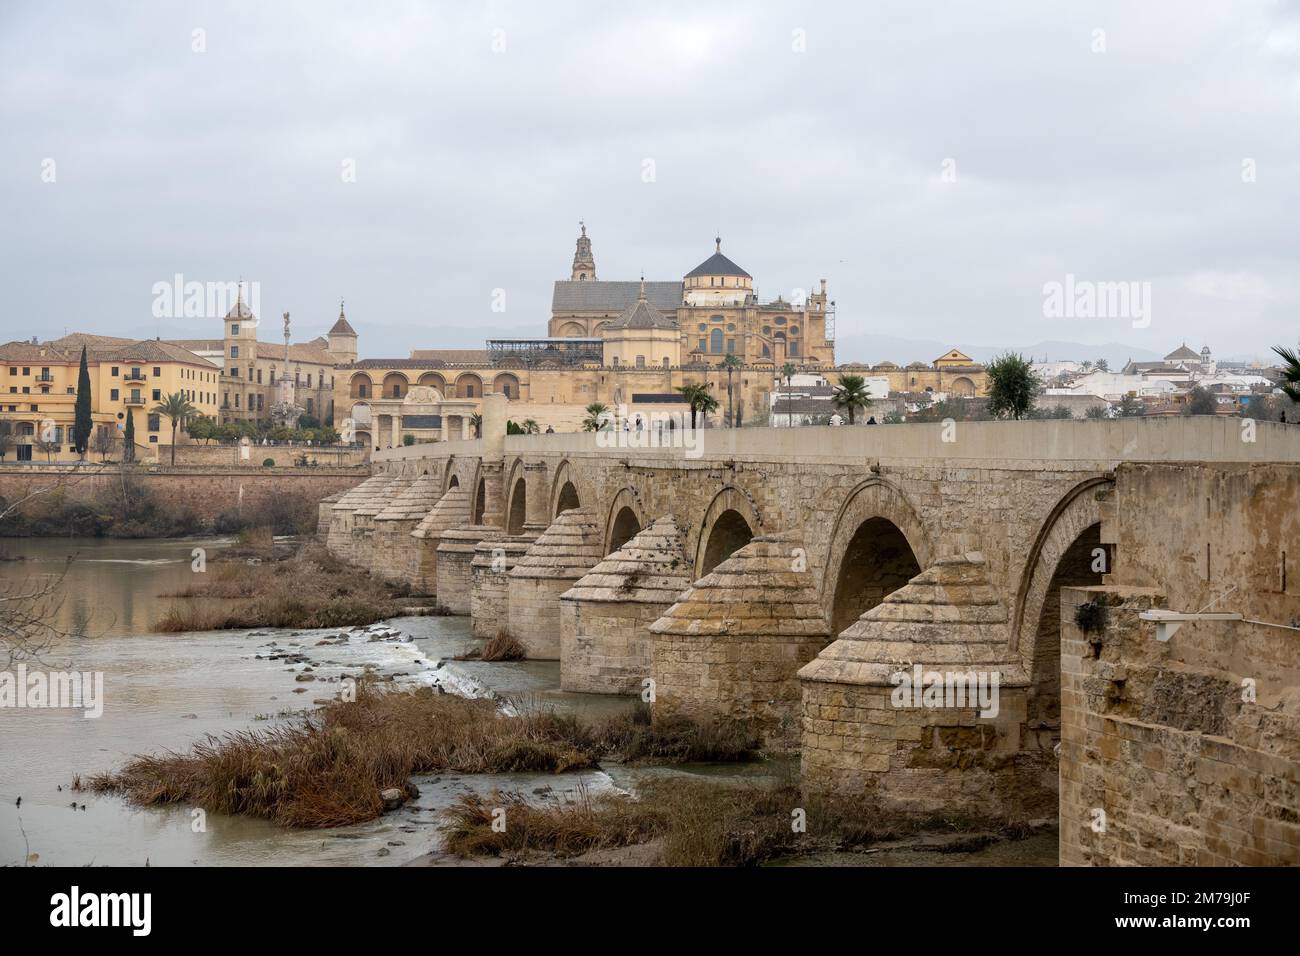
(611, 297)
(718, 265)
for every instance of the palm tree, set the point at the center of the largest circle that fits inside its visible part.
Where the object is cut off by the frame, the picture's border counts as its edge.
(700, 399)
(1086, 366)
(730, 362)
(851, 394)
(476, 422)
(178, 410)
(530, 427)
(787, 373)
(596, 417)
(1290, 372)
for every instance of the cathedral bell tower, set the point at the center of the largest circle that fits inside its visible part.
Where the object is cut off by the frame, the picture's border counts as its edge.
(584, 265)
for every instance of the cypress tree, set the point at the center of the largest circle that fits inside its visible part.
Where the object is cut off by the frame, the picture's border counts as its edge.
(128, 438)
(82, 425)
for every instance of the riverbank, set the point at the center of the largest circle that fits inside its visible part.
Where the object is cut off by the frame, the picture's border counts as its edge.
(262, 583)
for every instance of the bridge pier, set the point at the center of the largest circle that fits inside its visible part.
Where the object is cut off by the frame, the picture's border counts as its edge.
(882, 715)
(341, 515)
(394, 547)
(451, 510)
(605, 617)
(363, 522)
(489, 597)
(455, 555)
(732, 645)
(566, 551)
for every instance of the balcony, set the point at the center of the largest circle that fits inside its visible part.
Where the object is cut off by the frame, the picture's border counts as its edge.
(134, 400)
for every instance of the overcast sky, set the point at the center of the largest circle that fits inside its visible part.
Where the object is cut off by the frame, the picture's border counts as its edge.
(937, 163)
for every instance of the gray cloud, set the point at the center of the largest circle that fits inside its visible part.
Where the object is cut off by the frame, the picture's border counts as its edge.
(473, 166)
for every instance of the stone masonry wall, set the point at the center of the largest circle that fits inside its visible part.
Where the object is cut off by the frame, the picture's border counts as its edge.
(1168, 764)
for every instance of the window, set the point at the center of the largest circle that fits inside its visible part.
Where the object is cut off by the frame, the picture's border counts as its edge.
(234, 351)
(113, 372)
(715, 340)
(731, 345)
(157, 372)
(396, 391)
(640, 361)
(234, 328)
(234, 372)
(665, 361)
(703, 345)
(157, 394)
(153, 438)
(236, 399)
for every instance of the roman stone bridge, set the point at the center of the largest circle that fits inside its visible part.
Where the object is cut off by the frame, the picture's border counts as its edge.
(795, 577)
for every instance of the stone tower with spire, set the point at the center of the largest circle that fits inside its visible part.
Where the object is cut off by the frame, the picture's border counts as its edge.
(584, 264)
(342, 339)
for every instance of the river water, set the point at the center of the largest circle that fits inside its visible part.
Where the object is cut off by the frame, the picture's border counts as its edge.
(163, 692)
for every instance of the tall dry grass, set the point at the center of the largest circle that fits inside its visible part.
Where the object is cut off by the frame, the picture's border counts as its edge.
(309, 589)
(698, 823)
(328, 770)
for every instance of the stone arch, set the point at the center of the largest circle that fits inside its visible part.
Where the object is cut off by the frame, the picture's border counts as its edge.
(434, 380)
(469, 385)
(730, 521)
(361, 386)
(479, 505)
(572, 330)
(564, 490)
(878, 533)
(507, 383)
(963, 387)
(1077, 511)
(516, 499)
(449, 479)
(625, 519)
(396, 385)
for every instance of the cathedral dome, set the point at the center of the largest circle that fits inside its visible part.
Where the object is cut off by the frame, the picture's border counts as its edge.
(717, 265)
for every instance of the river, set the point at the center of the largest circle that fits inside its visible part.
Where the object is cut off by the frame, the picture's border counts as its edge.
(165, 691)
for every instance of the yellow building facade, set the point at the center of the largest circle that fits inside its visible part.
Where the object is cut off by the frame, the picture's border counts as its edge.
(38, 394)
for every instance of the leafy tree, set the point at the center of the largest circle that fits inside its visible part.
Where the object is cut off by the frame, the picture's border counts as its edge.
(128, 438)
(700, 398)
(851, 394)
(1056, 411)
(1130, 407)
(81, 424)
(1290, 372)
(1012, 386)
(6, 439)
(787, 373)
(597, 417)
(1095, 412)
(178, 410)
(202, 428)
(893, 417)
(730, 362)
(1201, 401)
